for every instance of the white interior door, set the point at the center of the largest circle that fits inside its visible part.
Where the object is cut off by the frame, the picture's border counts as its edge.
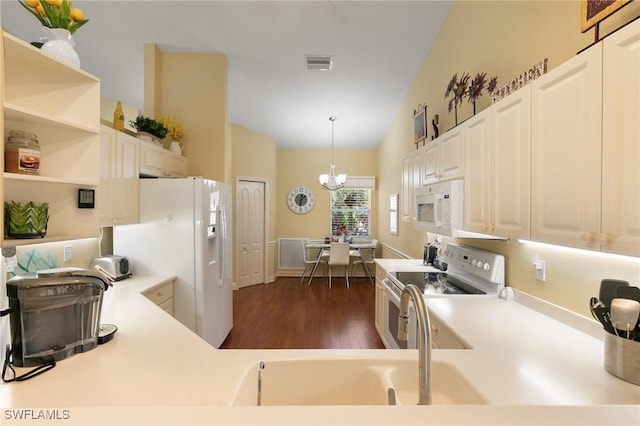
(250, 226)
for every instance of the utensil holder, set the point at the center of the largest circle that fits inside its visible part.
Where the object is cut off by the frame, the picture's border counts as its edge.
(622, 358)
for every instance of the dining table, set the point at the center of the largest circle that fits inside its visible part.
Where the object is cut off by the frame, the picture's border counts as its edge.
(323, 247)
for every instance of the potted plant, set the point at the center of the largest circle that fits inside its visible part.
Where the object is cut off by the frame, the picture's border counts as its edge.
(59, 22)
(149, 128)
(174, 133)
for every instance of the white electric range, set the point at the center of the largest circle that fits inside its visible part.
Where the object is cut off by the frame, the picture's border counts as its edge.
(470, 272)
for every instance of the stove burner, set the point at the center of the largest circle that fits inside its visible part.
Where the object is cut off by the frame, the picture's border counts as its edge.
(436, 283)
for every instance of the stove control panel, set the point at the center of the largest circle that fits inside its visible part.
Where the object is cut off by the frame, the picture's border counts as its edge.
(477, 262)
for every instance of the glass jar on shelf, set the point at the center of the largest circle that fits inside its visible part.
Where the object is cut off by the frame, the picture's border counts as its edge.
(22, 153)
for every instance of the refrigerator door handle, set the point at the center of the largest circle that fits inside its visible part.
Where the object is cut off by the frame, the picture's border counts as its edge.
(222, 234)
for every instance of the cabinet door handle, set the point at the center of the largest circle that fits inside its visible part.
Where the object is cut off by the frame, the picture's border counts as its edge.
(605, 239)
(587, 237)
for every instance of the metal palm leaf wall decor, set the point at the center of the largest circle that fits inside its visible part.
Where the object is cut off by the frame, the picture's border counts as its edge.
(25, 221)
(458, 89)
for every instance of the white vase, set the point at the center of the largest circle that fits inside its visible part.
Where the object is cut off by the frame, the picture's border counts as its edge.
(176, 147)
(60, 46)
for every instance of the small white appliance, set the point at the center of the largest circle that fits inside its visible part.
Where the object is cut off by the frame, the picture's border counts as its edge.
(439, 207)
(470, 272)
(185, 230)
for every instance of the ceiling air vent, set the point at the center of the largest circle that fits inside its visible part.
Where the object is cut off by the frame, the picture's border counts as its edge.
(316, 62)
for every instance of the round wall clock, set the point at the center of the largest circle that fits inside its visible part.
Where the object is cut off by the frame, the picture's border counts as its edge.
(301, 199)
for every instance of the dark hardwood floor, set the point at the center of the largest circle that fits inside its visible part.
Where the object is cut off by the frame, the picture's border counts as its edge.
(290, 315)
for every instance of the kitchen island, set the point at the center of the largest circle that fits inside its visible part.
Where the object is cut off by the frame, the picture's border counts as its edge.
(529, 367)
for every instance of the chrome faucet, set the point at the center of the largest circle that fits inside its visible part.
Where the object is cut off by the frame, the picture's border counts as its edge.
(410, 291)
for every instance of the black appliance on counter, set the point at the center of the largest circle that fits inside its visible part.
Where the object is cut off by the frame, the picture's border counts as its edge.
(54, 314)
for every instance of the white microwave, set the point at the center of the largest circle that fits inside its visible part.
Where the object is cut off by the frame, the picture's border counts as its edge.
(439, 208)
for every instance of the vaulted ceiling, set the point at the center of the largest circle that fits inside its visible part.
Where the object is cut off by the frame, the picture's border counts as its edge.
(377, 49)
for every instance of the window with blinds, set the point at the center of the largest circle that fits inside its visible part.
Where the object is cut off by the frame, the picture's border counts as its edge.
(393, 214)
(351, 208)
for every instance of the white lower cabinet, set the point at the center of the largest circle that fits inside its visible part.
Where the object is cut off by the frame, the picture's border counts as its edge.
(156, 161)
(442, 337)
(162, 296)
(118, 199)
(380, 303)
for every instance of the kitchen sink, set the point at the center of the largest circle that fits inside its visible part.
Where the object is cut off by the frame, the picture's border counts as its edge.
(448, 385)
(351, 382)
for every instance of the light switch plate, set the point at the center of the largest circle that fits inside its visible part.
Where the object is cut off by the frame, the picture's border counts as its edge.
(67, 253)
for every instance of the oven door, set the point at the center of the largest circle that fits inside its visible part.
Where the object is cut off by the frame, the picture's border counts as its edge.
(392, 299)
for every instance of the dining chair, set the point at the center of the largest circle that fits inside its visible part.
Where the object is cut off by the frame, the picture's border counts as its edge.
(366, 258)
(310, 263)
(339, 256)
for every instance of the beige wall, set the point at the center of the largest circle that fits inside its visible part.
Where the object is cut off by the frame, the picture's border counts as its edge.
(256, 156)
(501, 38)
(302, 167)
(192, 86)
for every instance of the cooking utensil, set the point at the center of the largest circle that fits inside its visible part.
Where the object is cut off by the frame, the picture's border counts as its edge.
(632, 293)
(601, 314)
(609, 290)
(594, 302)
(624, 316)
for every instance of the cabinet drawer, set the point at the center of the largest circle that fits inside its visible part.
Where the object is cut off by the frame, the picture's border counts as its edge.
(442, 337)
(161, 294)
(167, 306)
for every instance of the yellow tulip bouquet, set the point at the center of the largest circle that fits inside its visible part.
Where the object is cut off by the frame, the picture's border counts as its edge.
(174, 128)
(56, 14)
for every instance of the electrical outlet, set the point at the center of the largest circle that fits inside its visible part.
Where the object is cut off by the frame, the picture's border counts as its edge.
(540, 269)
(67, 253)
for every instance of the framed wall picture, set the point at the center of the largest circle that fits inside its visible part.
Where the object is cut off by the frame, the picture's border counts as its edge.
(594, 11)
(420, 125)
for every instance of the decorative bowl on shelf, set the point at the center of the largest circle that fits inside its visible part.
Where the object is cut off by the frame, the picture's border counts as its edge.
(25, 221)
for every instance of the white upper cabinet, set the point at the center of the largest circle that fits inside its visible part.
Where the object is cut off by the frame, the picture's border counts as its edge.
(566, 152)
(119, 200)
(497, 175)
(158, 162)
(477, 182)
(443, 157)
(620, 231)
(511, 165)
(439, 159)
(586, 148)
(61, 105)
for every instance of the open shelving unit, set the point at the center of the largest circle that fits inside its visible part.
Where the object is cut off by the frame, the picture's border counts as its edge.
(61, 105)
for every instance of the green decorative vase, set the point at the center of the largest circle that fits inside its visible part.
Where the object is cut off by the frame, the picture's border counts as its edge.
(25, 221)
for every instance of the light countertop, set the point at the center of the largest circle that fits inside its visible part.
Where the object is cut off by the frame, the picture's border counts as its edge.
(531, 368)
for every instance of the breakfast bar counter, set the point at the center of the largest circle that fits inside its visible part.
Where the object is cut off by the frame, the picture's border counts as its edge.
(529, 367)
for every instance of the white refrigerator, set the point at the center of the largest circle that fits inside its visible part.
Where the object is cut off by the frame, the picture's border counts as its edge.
(185, 230)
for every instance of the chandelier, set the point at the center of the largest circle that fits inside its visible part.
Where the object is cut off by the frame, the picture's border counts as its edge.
(332, 181)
